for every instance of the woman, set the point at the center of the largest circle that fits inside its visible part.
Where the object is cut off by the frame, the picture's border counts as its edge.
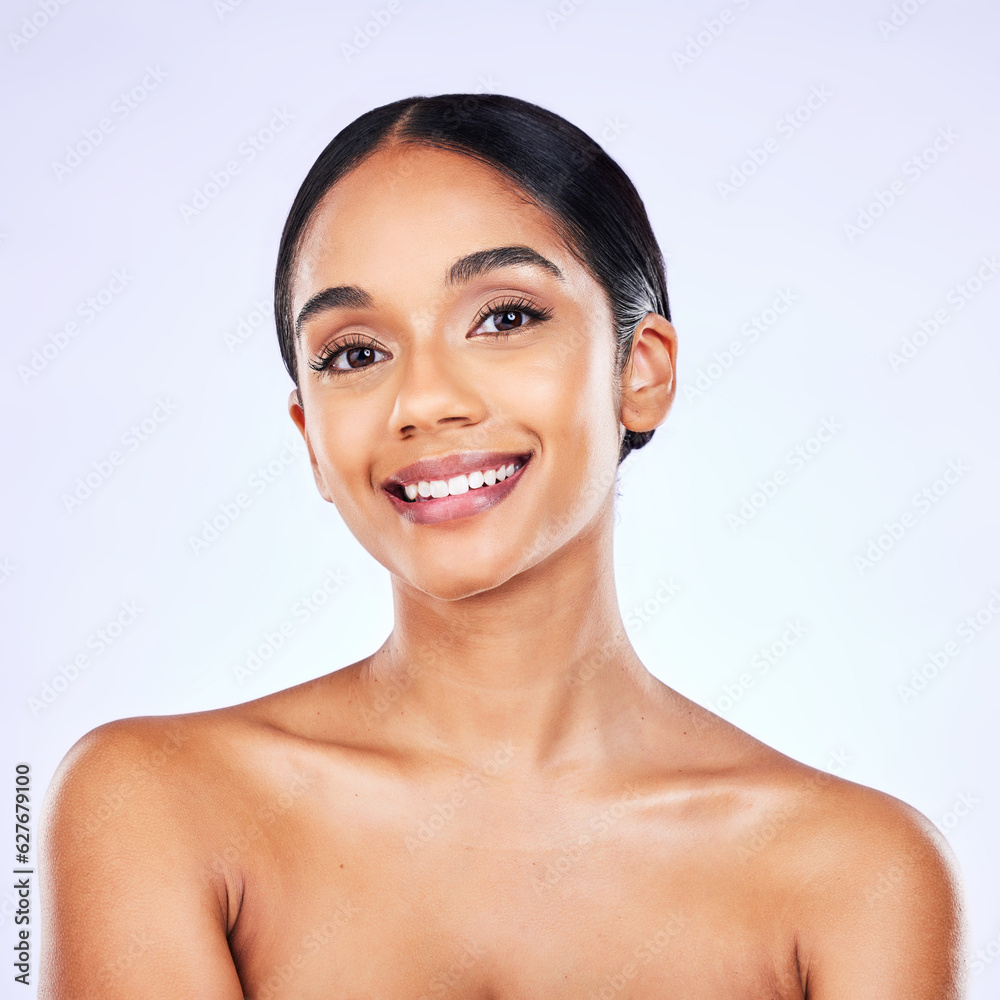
(501, 801)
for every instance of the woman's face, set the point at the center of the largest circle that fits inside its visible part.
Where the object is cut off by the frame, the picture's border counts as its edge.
(446, 331)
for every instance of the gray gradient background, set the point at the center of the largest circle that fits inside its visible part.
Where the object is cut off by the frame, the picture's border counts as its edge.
(834, 700)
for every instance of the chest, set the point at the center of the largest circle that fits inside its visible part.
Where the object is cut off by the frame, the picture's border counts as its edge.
(396, 904)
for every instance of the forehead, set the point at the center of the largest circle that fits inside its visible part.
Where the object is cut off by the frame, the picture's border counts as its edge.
(399, 220)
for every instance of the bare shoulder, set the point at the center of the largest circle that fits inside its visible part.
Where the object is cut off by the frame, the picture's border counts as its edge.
(130, 825)
(131, 760)
(126, 771)
(814, 822)
(870, 885)
(113, 763)
(132, 792)
(863, 883)
(164, 764)
(879, 898)
(846, 837)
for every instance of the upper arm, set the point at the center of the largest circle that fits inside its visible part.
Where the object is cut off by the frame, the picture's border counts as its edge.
(885, 916)
(129, 907)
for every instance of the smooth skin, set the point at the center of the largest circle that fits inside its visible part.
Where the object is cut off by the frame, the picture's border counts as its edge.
(501, 802)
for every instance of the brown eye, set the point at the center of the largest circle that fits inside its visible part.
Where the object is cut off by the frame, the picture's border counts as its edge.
(358, 357)
(509, 320)
(505, 321)
(510, 316)
(348, 357)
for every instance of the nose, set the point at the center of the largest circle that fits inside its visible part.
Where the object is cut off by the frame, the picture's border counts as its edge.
(433, 393)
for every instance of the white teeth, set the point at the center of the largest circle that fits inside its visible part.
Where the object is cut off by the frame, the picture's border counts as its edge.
(458, 485)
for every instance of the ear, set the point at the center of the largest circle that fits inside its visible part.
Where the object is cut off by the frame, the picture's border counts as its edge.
(298, 415)
(648, 384)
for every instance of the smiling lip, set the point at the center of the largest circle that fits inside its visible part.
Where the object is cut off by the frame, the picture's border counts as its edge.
(459, 464)
(449, 508)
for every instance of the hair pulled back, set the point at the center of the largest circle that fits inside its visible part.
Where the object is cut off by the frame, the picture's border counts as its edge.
(591, 198)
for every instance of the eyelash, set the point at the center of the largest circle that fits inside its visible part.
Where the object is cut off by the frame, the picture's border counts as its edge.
(537, 313)
(330, 352)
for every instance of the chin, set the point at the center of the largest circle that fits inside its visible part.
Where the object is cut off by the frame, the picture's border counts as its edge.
(455, 586)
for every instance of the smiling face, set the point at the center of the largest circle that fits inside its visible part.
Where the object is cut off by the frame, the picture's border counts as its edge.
(447, 335)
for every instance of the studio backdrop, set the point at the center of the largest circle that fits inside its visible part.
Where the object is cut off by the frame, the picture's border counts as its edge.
(809, 544)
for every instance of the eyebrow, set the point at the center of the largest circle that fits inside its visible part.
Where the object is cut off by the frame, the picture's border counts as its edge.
(464, 269)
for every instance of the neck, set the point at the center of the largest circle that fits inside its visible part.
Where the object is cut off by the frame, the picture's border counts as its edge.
(541, 662)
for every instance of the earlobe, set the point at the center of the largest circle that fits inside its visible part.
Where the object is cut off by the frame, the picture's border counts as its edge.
(648, 382)
(298, 415)
(296, 412)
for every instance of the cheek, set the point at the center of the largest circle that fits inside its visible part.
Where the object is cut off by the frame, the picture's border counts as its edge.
(569, 396)
(343, 437)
